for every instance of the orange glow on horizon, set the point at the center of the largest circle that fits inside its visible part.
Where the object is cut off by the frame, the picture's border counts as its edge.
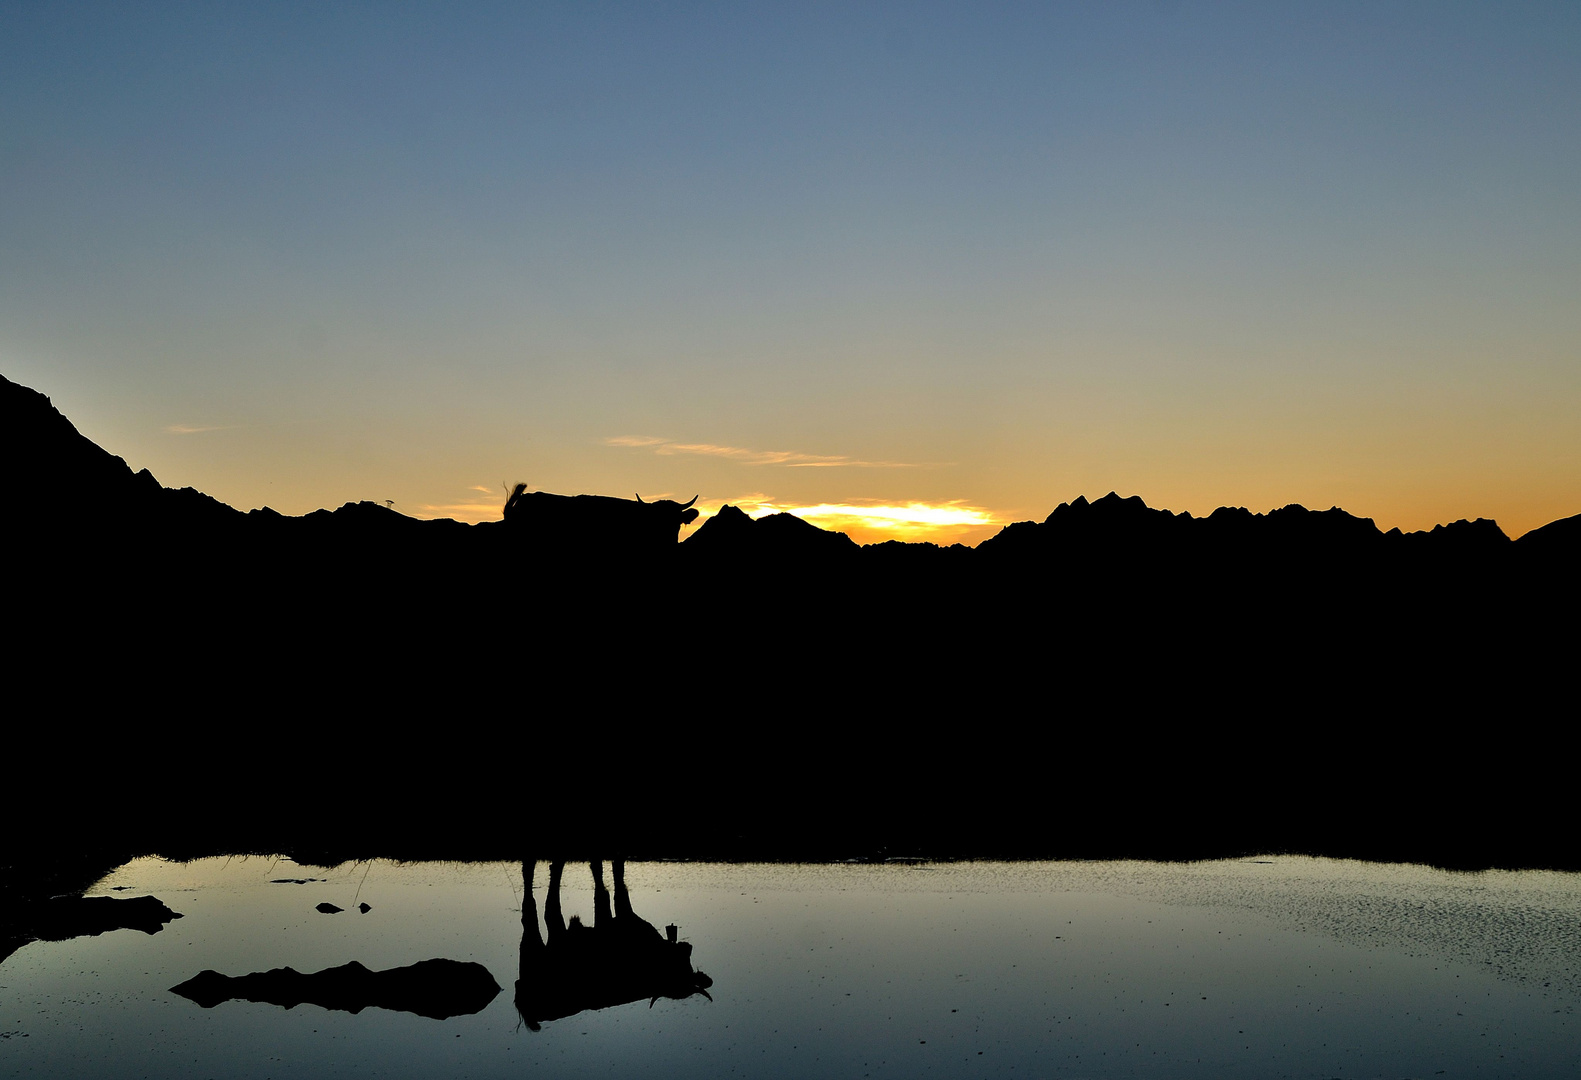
(482, 506)
(873, 522)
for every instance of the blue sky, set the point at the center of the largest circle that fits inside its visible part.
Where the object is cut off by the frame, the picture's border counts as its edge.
(991, 256)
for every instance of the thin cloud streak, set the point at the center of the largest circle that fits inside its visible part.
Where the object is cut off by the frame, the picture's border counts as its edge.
(193, 429)
(635, 440)
(792, 459)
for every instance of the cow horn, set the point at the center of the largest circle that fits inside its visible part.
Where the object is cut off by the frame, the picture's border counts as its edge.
(638, 494)
(688, 505)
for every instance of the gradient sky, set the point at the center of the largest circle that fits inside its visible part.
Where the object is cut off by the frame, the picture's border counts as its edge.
(980, 256)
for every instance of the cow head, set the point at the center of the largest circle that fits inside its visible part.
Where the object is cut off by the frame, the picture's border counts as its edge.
(687, 514)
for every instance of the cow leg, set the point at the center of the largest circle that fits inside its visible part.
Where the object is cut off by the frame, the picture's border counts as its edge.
(532, 937)
(600, 895)
(553, 920)
(622, 897)
(533, 958)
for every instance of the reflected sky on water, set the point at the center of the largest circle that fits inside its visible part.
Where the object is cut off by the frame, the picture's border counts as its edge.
(1259, 967)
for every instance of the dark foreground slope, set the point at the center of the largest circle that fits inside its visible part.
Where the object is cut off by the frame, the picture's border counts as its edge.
(1115, 680)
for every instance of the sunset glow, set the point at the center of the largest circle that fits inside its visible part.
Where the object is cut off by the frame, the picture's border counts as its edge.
(478, 504)
(875, 522)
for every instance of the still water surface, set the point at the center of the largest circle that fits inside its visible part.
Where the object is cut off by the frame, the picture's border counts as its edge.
(1256, 968)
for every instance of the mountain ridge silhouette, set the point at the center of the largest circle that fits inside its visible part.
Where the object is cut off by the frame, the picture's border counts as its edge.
(1113, 680)
(40, 436)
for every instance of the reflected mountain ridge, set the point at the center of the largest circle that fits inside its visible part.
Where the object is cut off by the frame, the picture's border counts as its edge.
(437, 989)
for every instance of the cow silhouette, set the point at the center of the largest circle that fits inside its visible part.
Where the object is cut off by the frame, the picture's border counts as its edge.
(621, 958)
(597, 523)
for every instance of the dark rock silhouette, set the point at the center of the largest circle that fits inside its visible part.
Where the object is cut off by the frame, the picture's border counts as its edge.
(58, 918)
(1554, 547)
(620, 959)
(438, 989)
(732, 536)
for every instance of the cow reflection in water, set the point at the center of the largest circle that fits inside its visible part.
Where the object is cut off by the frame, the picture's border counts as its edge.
(621, 958)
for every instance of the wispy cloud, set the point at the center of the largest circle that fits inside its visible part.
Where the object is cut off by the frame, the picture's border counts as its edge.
(635, 440)
(792, 459)
(193, 429)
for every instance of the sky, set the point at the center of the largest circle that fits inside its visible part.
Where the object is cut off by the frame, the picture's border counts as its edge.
(912, 270)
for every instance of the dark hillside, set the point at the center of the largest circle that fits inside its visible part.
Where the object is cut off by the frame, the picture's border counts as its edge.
(1113, 680)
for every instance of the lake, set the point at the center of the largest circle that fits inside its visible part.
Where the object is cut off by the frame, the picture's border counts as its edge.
(1267, 967)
